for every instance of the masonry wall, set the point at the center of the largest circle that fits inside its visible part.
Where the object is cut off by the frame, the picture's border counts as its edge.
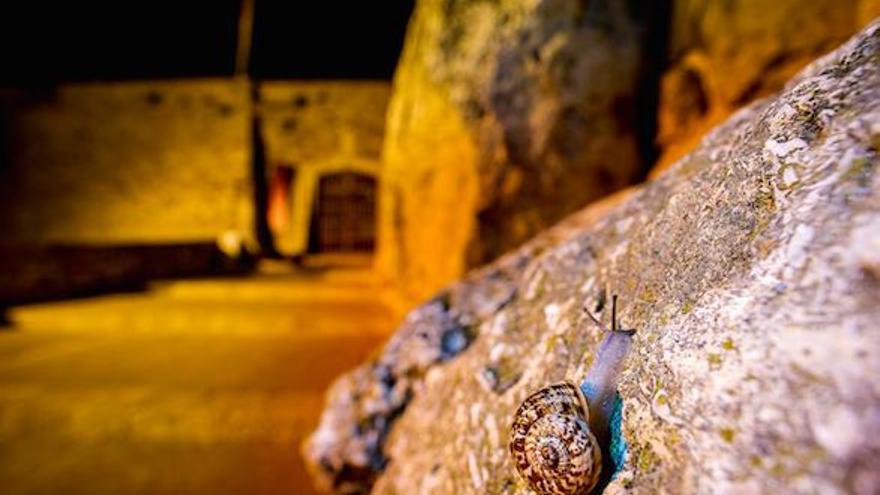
(126, 163)
(317, 128)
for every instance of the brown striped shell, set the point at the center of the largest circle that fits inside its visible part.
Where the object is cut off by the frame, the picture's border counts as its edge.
(551, 442)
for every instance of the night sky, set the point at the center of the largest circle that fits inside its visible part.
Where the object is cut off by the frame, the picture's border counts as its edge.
(44, 41)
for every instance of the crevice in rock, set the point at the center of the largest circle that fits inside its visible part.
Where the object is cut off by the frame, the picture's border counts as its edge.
(754, 90)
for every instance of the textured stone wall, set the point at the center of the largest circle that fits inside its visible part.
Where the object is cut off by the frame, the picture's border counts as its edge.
(320, 127)
(170, 161)
(133, 162)
(751, 270)
(505, 117)
(311, 122)
(508, 115)
(723, 55)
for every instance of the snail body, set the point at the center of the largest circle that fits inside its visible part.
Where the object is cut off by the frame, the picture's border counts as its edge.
(560, 433)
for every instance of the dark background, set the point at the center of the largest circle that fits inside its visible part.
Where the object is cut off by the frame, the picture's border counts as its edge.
(44, 41)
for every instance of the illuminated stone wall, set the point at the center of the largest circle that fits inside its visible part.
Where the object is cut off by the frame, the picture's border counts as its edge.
(316, 128)
(505, 117)
(751, 270)
(724, 55)
(126, 163)
(170, 161)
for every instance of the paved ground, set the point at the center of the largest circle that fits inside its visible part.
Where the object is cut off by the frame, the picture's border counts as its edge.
(197, 387)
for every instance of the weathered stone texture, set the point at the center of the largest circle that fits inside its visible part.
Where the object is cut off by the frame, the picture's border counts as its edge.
(318, 128)
(126, 163)
(751, 272)
(724, 55)
(505, 117)
(311, 123)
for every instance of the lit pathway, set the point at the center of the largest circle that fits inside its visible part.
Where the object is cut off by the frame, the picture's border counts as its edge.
(195, 387)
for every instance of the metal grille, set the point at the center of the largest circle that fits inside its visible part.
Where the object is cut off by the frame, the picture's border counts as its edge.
(344, 215)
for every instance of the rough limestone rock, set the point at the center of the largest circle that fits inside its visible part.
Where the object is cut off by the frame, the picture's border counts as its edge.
(751, 270)
(497, 106)
(724, 55)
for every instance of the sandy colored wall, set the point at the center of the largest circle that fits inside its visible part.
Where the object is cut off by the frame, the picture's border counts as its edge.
(724, 55)
(123, 163)
(309, 122)
(320, 127)
(505, 117)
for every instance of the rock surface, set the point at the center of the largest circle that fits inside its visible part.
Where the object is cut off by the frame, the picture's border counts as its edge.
(496, 107)
(752, 272)
(724, 55)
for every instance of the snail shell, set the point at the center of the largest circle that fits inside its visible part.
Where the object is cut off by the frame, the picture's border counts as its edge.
(551, 442)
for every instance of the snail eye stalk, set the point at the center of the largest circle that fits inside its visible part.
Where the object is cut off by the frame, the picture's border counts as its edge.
(614, 313)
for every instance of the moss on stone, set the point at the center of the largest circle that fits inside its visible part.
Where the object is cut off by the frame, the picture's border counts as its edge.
(728, 344)
(727, 434)
(687, 307)
(859, 170)
(646, 458)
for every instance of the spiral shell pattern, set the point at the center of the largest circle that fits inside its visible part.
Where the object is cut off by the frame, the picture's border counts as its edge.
(551, 442)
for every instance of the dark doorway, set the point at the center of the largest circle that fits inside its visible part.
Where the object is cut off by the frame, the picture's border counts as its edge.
(343, 218)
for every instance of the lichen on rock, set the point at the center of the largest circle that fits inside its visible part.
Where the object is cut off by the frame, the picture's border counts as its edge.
(750, 269)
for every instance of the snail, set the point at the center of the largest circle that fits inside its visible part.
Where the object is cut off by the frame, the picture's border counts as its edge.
(560, 433)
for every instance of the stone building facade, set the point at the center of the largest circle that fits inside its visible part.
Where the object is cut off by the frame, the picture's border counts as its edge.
(323, 142)
(126, 163)
(164, 162)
